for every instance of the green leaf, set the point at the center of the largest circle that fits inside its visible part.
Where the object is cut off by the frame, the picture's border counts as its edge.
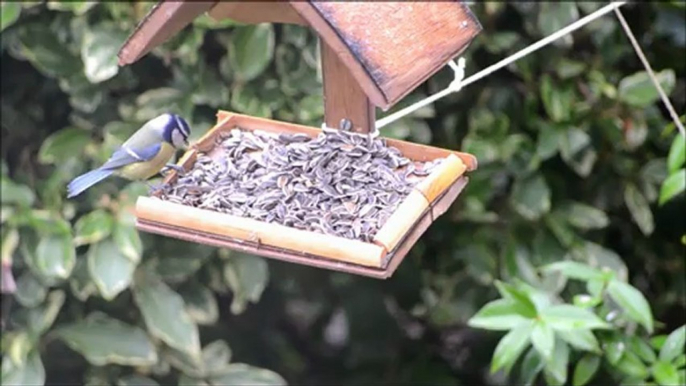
(103, 340)
(251, 50)
(568, 317)
(543, 339)
(577, 151)
(63, 145)
(639, 91)
(31, 373)
(239, 374)
(187, 364)
(674, 185)
(30, 292)
(93, 227)
(658, 341)
(510, 347)
(13, 193)
(665, 373)
(555, 16)
(110, 270)
(642, 349)
(128, 240)
(674, 345)
(521, 299)
(632, 302)
(605, 259)
(247, 276)
(215, 356)
(632, 366)
(200, 302)
(136, 380)
(205, 21)
(499, 315)
(639, 208)
(548, 140)
(9, 14)
(177, 269)
(10, 242)
(41, 46)
(531, 366)
(99, 52)
(165, 315)
(185, 380)
(77, 7)
(585, 369)
(42, 318)
(583, 216)
(581, 339)
(567, 68)
(677, 154)
(556, 368)
(574, 270)
(614, 349)
(20, 345)
(157, 101)
(557, 100)
(55, 256)
(586, 301)
(80, 282)
(531, 197)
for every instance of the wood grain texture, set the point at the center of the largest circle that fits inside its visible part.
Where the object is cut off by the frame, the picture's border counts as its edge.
(398, 43)
(194, 226)
(163, 21)
(330, 36)
(343, 96)
(399, 223)
(276, 235)
(442, 177)
(255, 12)
(390, 264)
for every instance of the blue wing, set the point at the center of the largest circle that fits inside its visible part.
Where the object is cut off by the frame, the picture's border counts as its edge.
(120, 158)
(126, 156)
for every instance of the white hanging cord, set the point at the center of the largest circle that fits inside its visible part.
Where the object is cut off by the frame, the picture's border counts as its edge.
(651, 73)
(457, 84)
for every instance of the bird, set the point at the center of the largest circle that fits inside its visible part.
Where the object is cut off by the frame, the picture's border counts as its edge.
(142, 156)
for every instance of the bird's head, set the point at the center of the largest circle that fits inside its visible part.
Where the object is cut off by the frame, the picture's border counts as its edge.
(176, 131)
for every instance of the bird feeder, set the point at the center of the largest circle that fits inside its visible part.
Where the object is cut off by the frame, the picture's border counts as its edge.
(372, 54)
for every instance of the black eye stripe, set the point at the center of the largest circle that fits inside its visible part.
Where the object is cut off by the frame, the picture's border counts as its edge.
(181, 126)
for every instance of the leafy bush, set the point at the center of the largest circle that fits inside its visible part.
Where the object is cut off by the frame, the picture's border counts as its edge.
(534, 317)
(576, 175)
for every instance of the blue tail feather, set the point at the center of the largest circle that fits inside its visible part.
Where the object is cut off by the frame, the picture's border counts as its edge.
(85, 181)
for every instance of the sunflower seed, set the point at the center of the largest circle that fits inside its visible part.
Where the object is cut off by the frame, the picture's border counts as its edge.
(338, 183)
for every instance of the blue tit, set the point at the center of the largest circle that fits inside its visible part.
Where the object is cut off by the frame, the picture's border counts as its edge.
(142, 156)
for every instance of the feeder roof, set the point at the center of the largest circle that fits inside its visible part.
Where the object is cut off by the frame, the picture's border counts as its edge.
(390, 48)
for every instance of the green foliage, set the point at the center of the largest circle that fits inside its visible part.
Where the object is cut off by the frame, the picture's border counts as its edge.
(599, 325)
(580, 174)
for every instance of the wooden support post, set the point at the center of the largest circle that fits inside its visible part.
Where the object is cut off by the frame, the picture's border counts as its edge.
(343, 97)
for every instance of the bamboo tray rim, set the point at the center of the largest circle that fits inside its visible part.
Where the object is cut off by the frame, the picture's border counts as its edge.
(390, 262)
(227, 121)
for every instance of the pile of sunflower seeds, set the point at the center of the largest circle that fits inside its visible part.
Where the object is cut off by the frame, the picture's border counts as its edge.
(340, 183)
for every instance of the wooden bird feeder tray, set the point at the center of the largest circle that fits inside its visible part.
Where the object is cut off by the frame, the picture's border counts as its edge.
(373, 54)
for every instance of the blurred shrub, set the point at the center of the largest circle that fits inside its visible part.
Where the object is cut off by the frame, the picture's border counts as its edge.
(574, 167)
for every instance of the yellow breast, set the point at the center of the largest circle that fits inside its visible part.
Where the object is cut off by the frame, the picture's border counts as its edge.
(145, 170)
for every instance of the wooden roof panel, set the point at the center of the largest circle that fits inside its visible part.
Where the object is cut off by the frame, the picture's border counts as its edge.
(401, 44)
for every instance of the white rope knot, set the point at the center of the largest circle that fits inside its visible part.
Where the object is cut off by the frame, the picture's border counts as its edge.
(458, 69)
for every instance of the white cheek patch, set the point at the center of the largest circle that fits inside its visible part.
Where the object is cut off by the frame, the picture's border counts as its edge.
(177, 138)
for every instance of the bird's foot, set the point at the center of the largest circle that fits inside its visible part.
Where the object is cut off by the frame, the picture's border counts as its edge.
(156, 188)
(169, 167)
